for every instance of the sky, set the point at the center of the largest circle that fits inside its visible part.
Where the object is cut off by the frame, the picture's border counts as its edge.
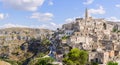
(52, 14)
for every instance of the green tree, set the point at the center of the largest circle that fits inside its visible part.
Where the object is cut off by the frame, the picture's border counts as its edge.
(114, 30)
(45, 42)
(45, 61)
(112, 63)
(65, 37)
(94, 63)
(76, 57)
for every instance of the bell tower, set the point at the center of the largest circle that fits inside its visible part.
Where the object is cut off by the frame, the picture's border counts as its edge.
(86, 14)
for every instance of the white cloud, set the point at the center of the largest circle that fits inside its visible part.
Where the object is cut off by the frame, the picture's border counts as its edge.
(3, 16)
(29, 5)
(42, 16)
(88, 2)
(9, 25)
(51, 25)
(118, 5)
(114, 19)
(100, 10)
(50, 2)
(69, 20)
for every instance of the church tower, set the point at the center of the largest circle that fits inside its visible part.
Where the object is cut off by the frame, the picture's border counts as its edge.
(86, 14)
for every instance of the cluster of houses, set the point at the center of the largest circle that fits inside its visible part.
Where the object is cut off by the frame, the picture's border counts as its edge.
(99, 37)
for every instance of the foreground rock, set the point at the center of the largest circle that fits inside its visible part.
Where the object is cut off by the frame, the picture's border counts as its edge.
(4, 63)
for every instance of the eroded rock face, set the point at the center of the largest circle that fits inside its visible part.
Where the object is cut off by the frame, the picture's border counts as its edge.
(22, 33)
(21, 43)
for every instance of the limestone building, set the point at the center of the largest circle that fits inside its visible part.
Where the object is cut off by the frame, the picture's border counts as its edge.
(96, 36)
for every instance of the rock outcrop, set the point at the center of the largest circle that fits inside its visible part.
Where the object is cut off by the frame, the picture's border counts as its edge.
(22, 43)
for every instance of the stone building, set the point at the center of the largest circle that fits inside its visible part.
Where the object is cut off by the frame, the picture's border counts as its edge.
(95, 36)
(99, 57)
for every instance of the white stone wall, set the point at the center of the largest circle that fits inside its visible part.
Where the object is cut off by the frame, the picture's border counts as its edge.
(107, 32)
(106, 57)
(92, 55)
(80, 39)
(110, 27)
(118, 61)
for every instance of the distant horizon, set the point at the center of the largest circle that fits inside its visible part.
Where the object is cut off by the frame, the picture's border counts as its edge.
(9, 25)
(51, 14)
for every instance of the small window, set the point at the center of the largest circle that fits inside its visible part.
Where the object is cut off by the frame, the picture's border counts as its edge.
(92, 60)
(96, 59)
(77, 34)
(104, 25)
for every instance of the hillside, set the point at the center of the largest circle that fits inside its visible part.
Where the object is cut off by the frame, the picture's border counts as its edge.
(19, 44)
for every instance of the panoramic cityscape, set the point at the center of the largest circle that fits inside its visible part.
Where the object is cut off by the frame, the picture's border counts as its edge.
(64, 32)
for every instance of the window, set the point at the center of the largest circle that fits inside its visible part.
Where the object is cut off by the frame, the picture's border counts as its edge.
(77, 34)
(92, 60)
(96, 59)
(104, 25)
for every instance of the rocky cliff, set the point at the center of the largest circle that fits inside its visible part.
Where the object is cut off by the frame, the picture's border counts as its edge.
(21, 43)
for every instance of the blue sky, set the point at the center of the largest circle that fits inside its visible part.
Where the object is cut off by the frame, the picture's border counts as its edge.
(53, 13)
